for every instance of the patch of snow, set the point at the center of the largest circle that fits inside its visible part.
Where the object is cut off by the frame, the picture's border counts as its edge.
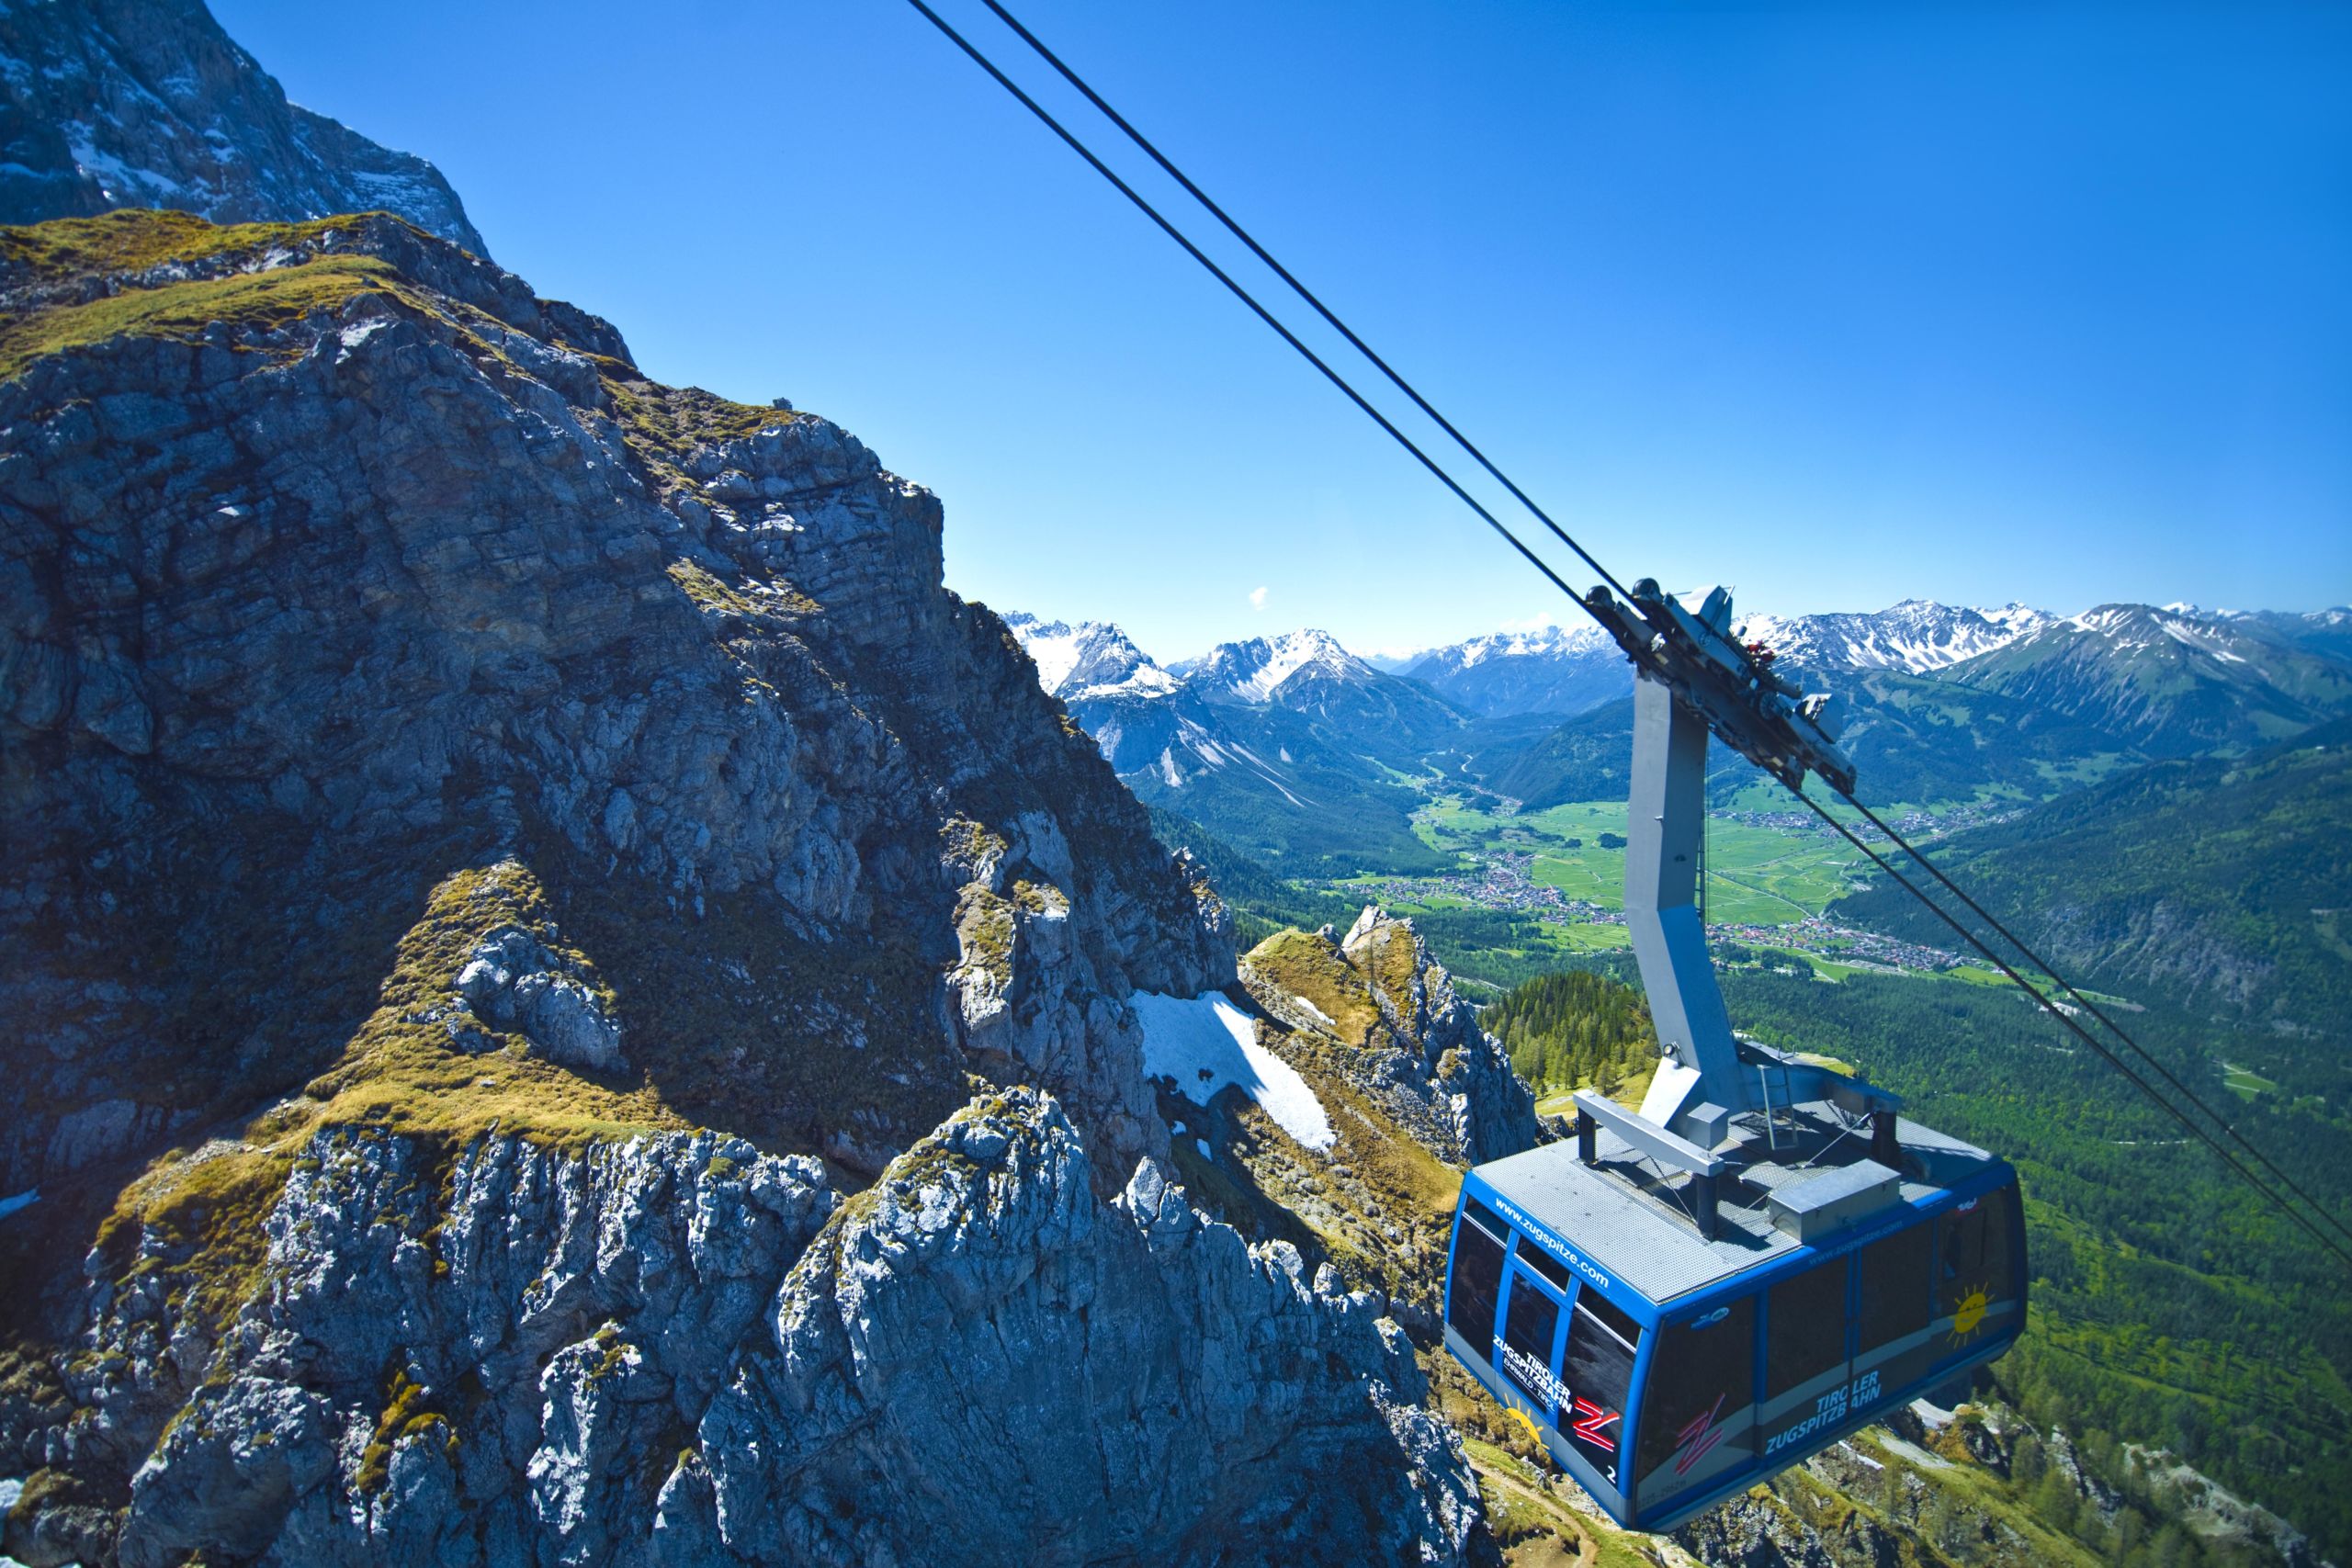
(26, 1199)
(357, 334)
(1206, 1043)
(1905, 1449)
(1934, 1417)
(1203, 1144)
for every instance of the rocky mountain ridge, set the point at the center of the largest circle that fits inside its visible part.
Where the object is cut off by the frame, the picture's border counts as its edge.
(696, 1353)
(1090, 661)
(147, 103)
(1269, 743)
(1918, 636)
(1549, 670)
(531, 839)
(2166, 683)
(1292, 730)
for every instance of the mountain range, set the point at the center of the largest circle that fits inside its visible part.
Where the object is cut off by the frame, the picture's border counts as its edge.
(1299, 750)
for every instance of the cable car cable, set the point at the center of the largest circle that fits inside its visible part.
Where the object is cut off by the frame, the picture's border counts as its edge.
(1246, 298)
(1238, 232)
(1509, 537)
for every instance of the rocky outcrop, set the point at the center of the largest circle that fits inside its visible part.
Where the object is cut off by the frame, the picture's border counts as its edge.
(356, 563)
(147, 103)
(511, 980)
(1411, 1044)
(1119, 1381)
(1438, 1049)
(634, 1354)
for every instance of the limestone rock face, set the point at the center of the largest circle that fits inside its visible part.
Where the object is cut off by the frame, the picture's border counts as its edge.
(357, 563)
(512, 980)
(1413, 1046)
(487, 1331)
(147, 103)
(470, 800)
(674, 1351)
(1107, 1383)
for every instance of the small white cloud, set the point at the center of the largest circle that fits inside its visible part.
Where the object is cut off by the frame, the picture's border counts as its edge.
(1534, 623)
(1257, 598)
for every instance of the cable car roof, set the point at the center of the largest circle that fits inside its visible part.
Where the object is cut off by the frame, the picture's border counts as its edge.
(1631, 1223)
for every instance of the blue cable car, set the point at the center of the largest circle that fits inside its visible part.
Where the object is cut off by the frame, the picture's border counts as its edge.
(1691, 1296)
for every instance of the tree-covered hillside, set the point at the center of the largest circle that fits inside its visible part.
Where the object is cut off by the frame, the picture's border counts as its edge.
(2224, 887)
(1571, 1029)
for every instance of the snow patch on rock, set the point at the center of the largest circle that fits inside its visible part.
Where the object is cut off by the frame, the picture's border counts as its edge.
(1207, 1043)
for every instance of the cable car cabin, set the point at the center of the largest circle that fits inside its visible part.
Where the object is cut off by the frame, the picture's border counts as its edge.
(1764, 1256)
(1665, 1371)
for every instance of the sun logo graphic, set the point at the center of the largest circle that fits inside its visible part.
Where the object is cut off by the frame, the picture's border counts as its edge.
(1533, 1434)
(1969, 1315)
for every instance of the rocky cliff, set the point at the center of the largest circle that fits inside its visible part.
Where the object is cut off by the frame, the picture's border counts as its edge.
(1387, 1011)
(147, 103)
(527, 838)
(676, 1349)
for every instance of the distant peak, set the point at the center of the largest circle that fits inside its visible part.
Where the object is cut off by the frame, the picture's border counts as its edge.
(1090, 658)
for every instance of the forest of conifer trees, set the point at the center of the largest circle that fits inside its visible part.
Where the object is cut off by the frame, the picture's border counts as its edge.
(1571, 1030)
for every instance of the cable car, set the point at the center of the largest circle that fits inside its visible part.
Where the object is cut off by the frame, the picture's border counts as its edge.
(1690, 1297)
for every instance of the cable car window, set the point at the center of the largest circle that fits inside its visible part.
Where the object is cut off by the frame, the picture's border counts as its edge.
(1891, 1346)
(1805, 1328)
(1528, 1328)
(1533, 1257)
(1973, 1262)
(1620, 1324)
(1478, 1280)
(1698, 1407)
(1596, 1373)
(1895, 1288)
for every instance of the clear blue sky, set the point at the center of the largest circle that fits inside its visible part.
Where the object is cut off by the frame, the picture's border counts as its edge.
(1838, 304)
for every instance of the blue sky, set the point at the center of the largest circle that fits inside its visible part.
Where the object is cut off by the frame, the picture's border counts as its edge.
(1838, 304)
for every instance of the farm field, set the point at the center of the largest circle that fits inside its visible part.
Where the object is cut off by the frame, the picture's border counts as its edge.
(1757, 874)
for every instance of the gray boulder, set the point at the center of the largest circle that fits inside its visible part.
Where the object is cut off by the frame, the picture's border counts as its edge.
(513, 981)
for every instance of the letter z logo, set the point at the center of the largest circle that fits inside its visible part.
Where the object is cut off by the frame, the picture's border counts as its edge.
(1591, 1423)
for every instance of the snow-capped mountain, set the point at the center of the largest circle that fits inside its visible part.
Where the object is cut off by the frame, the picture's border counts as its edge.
(1573, 670)
(2166, 683)
(1549, 670)
(2318, 631)
(1090, 659)
(1285, 745)
(1255, 670)
(1918, 636)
